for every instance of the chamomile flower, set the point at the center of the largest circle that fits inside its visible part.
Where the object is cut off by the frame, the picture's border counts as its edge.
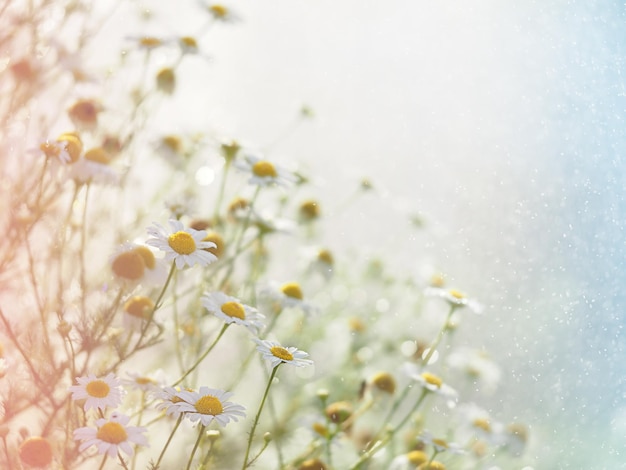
(477, 366)
(36, 452)
(263, 172)
(440, 445)
(409, 461)
(289, 295)
(111, 435)
(145, 383)
(97, 392)
(67, 148)
(455, 298)
(220, 12)
(208, 404)
(84, 113)
(94, 167)
(277, 354)
(183, 245)
(133, 263)
(432, 383)
(169, 400)
(231, 310)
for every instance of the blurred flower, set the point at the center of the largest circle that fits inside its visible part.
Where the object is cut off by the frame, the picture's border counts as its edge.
(67, 148)
(440, 445)
(145, 383)
(309, 210)
(183, 245)
(136, 263)
(166, 80)
(455, 298)
(36, 452)
(230, 310)
(208, 404)
(432, 383)
(263, 172)
(222, 13)
(111, 435)
(170, 400)
(289, 295)
(276, 354)
(84, 113)
(94, 167)
(312, 464)
(383, 382)
(409, 461)
(477, 366)
(137, 310)
(515, 438)
(97, 392)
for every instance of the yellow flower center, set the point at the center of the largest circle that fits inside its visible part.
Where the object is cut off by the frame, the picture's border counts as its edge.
(312, 464)
(149, 42)
(173, 143)
(434, 465)
(482, 424)
(234, 309)
(292, 289)
(189, 42)
(263, 169)
(432, 379)
(139, 306)
(129, 265)
(166, 80)
(219, 11)
(73, 145)
(36, 452)
(325, 256)
(456, 294)
(98, 388)
(98, 155)
(417, 457)
(310, 210)
(219, 243)
(112, 432)
(182, 243)
(147, 256)
(384, 382)
(85, 111)
(209, 405)
(440, 443)
(320, 429)
(281, 353)
(145, 381)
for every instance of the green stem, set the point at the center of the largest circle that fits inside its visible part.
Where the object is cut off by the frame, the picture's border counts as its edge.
(169, 439)
(205, 354)
(195, 447)
(444, 328)
(256, 418)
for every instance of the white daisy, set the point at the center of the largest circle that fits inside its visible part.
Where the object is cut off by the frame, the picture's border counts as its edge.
(432, 383)
(409, 461)
(111, 435)
(455, 298)
(97, 392)
(230, 310)
(169, 400)
(289, 295)
(209, 404)
(133, 264)
(94, 167)
(263, 172)
(477, 365)
(145, 383)
(183, 245)
(277, 354)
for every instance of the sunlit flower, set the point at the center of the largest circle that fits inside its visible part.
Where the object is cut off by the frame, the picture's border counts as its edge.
(455, 298)
(289, 295)
(183, 245)
(309, 210)
(137, 310)
(97, 392)
(208, 404)
(339, 411)
(263, 172)
(111, 435)
(515, 438)
(383, 382)
(312, 464)
(432, 383)
(231, 310)
(277, 354)
(66, 149)
(136, 263)
(36, 452)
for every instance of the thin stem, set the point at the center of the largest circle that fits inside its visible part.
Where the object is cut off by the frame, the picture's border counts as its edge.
(104, 459)
(444, 328)
(195, 447)
(119, 456)
(205, 354)
(256, 418)
(169, 439)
